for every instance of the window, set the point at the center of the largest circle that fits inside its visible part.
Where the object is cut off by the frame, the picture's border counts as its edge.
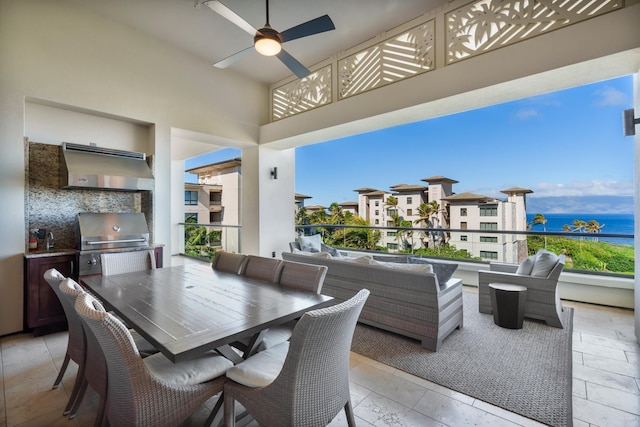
(377, 202)
(191, 217)
(409, 200)
(489, 239)
(463, 211)
(488, 255)
(463, 225)
(392, 233)
(392, 211)
(190, 198)
(488, 211)
(377, 212)
(463, 238)
(392, 246)
(377, 221)
(488, 226)
(409, 212)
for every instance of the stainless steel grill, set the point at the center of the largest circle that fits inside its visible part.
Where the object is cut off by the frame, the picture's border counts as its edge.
(109, 232)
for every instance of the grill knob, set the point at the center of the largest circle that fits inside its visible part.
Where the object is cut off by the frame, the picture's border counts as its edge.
(116, 228)
(92, 261)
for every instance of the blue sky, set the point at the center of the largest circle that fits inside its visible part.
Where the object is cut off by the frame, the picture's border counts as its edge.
(566, 143)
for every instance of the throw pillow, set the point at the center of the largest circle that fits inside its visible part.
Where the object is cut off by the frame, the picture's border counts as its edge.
(417, 268)
(326, 255)
(525, 267)
(442, 269)
(333, 251)
(310, 243)
(358, 260)
(545, 261)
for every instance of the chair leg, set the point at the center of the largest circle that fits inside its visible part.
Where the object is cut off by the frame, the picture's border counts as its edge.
(79, 398)
(229, 412)
(101, 415)
(77, 386)
(63, 369)
(348, 410)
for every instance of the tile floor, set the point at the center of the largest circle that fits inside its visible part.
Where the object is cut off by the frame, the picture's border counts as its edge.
(606, 384)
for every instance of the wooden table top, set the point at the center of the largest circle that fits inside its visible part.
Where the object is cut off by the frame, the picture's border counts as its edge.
(186, 310)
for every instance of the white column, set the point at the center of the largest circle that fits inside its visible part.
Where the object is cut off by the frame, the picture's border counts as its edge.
(636, 194)
(267, 204)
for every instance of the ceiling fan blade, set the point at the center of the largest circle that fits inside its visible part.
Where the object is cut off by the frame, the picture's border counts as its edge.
(224, 63)
(292, 63)
(309, 28)
(230, 15)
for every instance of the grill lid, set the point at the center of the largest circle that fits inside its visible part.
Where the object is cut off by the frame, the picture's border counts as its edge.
(112, 230)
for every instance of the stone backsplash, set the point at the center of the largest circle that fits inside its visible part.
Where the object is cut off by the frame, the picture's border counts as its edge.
(50, 207)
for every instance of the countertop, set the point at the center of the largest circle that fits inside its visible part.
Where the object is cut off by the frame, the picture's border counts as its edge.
(41, 253)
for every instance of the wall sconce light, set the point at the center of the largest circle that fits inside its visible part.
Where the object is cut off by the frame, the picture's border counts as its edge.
(630, 122)
(274, 173)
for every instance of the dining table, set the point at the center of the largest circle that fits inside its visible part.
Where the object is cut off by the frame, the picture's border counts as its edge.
(189, 309)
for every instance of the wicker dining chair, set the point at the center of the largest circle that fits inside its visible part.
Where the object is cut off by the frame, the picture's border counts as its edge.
(94, 368)
(75, 341)
(300, 276)
(304, 381)
(228, 262)
(127, 262)
(263, 268)
(151, 391)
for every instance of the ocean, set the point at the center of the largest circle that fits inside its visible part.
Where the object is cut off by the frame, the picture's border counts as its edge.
(613, 224)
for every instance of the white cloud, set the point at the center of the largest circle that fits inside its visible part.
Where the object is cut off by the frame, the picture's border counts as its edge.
(584, 188)
(527, 113)
(610, 96)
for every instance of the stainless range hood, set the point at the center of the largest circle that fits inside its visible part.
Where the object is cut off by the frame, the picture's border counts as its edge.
(90, 167)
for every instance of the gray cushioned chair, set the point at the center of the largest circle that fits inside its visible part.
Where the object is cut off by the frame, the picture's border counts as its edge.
(228, 262)
(257, 267)
(127, 262)
(304, 381)
(151, 391)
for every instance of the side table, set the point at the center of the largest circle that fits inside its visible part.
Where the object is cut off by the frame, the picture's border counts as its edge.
(507, 303)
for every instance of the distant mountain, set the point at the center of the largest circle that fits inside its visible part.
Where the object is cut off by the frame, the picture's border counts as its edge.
(580, 204)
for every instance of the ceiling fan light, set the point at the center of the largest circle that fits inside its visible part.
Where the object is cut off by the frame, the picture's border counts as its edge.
(267, 42)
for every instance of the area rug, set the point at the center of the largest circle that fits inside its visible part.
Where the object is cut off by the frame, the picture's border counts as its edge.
(526, 371)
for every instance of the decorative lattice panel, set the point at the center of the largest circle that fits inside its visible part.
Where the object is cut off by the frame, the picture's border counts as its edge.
(302, 95)
(394, 59)
(488, 24)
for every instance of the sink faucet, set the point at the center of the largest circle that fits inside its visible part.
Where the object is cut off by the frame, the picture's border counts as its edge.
(50, 240)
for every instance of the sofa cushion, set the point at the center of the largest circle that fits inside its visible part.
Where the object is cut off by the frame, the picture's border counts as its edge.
(442, 269)
(366, 259)
(326, 255)
(330, 249)
(416, 268)
(544, 263)
(310, 243)
(525, 267)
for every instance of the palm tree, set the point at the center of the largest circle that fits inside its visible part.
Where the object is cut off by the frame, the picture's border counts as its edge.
(540, 219)
(593, 226)
(578, 226)
(425, 210)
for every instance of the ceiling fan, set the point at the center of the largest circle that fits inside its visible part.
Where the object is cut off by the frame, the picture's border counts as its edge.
(267, 41)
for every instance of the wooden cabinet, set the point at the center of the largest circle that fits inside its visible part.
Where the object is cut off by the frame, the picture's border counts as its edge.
(43, 311)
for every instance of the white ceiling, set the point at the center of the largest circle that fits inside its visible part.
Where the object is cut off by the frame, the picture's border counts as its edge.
(204, 33)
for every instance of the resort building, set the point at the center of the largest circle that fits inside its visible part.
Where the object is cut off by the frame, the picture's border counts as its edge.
(215, 199)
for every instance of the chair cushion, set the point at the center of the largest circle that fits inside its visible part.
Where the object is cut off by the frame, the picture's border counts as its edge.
(204, 368)
(310, 243)
(330, 249)
(261, 369)
(418, 268)
(545, 261)
(525, 267)
(442, 269)
(366, 259)
(277, 335)
(313, 254)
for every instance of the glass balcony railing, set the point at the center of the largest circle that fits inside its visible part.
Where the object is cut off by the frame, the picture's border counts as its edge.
(202, 241)
(595, 253)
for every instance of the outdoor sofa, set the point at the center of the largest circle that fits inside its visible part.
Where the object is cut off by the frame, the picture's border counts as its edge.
(403, 300)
